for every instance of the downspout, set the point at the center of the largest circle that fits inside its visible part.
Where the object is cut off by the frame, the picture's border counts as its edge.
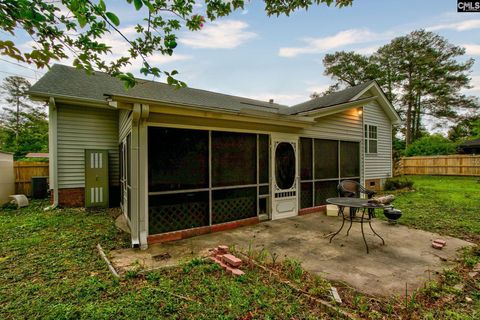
(52, 150)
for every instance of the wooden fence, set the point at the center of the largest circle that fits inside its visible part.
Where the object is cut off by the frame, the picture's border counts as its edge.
(24, 171)
(454, 165)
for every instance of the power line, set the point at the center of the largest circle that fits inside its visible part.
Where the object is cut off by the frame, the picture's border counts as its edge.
(19, 75)
(20, 65)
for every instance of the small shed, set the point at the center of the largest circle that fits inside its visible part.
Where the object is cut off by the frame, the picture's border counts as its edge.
(7, 177)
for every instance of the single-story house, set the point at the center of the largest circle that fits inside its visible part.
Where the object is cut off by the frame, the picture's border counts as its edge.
(470, 147)
(183, 162)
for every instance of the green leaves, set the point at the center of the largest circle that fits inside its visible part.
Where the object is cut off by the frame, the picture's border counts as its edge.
(113, 18)
(138, 4)
(50, 25)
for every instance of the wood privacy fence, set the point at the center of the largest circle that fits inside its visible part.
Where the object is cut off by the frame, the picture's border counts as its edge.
(454, 165)
(24, 171)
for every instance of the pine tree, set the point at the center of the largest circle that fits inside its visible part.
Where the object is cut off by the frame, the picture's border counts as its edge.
(24, 124)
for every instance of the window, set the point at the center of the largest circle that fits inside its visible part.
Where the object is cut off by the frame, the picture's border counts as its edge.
(371, 139)
(323, 164)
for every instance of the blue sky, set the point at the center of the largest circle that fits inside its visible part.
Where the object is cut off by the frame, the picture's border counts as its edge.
(253, 55)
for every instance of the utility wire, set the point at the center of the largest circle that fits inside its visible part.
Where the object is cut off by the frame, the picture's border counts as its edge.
(15, 74)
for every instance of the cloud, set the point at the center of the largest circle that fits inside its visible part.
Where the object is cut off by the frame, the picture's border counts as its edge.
(457, 26)
(226, 34)
(475, 83)
(367, 50)
(341, 39)
(472, 49)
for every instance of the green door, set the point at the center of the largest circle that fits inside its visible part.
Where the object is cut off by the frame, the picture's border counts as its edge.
(96, 178)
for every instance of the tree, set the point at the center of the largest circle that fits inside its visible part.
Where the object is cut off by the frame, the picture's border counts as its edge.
(466, 128)
(80, 32)
(24, 125)
(431, 146)
(420, 74)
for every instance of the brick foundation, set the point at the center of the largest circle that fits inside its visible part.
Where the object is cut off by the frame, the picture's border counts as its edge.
(71, 197)
(305, 211)
(183, 234)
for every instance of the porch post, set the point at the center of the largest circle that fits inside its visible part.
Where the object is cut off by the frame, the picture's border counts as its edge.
(143, 176)
(134, 216)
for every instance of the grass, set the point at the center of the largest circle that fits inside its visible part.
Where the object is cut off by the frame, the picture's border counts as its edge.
(442, 204)
(49, 269)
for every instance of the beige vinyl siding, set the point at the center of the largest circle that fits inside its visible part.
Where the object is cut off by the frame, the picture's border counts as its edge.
(80, 128)
(125, 123)
(346, 125)
(379, 165)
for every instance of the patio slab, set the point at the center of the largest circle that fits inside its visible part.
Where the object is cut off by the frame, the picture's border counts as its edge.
(407, 256)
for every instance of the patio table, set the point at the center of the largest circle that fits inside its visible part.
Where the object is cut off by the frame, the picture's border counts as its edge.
(358, 203)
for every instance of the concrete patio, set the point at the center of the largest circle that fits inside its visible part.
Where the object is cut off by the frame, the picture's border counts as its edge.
(407, 256)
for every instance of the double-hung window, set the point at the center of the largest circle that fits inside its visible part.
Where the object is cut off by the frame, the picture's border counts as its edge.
(371, 139)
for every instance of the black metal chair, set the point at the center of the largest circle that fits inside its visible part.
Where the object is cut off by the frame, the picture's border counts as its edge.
(353, 189)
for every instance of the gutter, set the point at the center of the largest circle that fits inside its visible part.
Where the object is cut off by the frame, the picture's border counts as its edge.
(322, 112)
(298, 119)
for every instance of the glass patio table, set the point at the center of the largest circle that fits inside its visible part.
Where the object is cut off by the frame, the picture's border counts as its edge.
(367, 214)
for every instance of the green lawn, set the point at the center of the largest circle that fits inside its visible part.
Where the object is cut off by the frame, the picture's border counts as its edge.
(49, 268)
(447, 205)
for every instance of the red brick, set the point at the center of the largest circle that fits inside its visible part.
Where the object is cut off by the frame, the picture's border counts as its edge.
(437, 246)
(231, 260)
(222, 249)
(237, 272)
(441, 242)
(305, 211)
(164, 237)
(71, 197)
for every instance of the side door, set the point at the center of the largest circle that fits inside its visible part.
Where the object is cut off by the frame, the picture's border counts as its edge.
(96, 178)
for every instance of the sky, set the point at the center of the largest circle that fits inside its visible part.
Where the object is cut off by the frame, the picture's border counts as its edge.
(252, 55)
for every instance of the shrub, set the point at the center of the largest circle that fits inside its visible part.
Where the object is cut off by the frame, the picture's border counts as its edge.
(397, 183)
(431, 146)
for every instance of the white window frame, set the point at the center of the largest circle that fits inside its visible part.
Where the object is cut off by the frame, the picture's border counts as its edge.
(370, 136)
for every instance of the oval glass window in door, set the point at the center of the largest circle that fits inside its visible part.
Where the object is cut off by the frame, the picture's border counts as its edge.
(284, 165)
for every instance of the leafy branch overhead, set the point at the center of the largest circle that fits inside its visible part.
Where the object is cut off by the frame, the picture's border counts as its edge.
(77, 29)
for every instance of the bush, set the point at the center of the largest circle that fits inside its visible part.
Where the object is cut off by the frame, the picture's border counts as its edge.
(397, 183)
(431, 146)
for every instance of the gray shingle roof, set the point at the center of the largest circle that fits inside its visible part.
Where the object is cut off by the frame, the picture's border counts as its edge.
(471, 143)
(63, 80)
(329, 100)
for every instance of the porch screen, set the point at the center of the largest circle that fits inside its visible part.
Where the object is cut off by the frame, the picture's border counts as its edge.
(199, 177)
(324, 163)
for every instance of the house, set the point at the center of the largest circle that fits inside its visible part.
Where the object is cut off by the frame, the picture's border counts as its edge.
(183, 162)
(470, 147)
(7, 178)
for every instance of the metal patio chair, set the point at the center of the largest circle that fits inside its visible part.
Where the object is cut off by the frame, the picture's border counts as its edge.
(353, 189)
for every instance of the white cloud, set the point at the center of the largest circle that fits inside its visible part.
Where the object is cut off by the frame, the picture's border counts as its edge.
(367, 50)
(472, 49)
(457, 26)
(341, 39)
(317, 88)
(226, 34)
(475, 83)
